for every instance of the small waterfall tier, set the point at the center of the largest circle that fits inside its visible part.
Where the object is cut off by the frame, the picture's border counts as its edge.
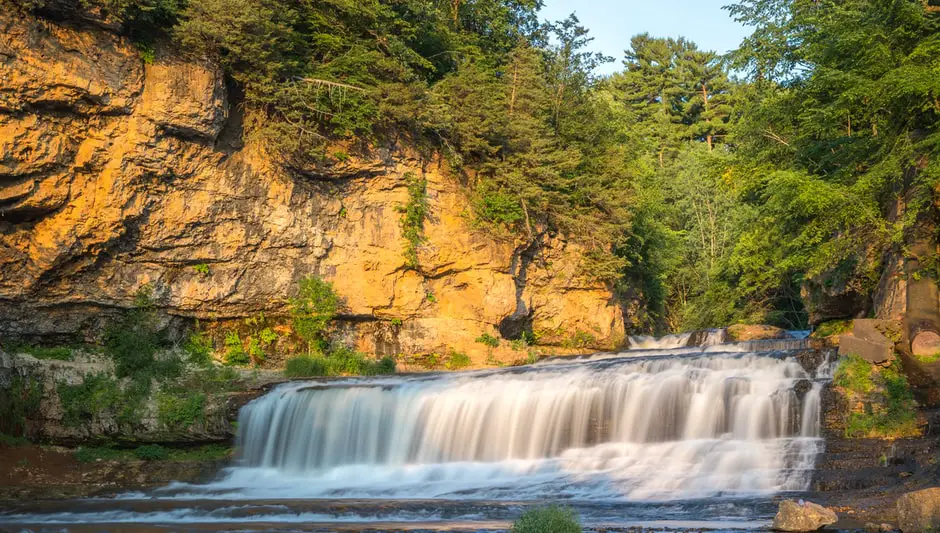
(630, 428)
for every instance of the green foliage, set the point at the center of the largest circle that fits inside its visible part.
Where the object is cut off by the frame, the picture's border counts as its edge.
(305, 366)
(339, 361)
(581, 339)
(152, 452)
(488, 340)
(59, 353)
(82, 403)
(133, 341)
(19, 402)
(201, 268)
(457, 360)
(199, 347)
(397, 322)
(550, 519)
(235, 354)
(889, 410)
(313, 309)
(832, 327)
(93, 454)
(10, 441)
(854, 374)
(179, 410)
(413, 214)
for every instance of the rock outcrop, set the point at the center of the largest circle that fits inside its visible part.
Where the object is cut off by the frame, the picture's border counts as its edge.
(754, 332)
(803, 516)
(919, 512)
(115, 173)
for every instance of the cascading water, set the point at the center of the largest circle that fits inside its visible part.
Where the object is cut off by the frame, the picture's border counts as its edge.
(649, 428)
(684, 437)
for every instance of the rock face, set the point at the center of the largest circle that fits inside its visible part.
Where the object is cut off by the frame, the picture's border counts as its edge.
(114, 174)
(919, 512)
(803, 516)
(869, 341)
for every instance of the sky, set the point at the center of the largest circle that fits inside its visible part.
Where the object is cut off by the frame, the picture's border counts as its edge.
(613, 22)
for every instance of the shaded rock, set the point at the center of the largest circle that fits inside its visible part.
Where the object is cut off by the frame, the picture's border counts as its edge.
(869, 339)
(803, 516)
(919, 512)
(755, 332)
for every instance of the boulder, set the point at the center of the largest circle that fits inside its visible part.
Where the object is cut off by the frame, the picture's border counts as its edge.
(803, 516)
(926, 344)
(869, 340)
(919, 511)
(754, 332)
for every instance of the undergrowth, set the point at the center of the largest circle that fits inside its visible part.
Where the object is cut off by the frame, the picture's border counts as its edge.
(888, 406)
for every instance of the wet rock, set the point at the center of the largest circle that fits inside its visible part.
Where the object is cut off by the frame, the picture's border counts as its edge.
(803, 516)
(919, 512)
(754, 332)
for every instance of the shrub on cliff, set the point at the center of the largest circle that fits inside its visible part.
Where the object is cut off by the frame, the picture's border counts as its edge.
(551, 519)
(134, 340)
(313, 309)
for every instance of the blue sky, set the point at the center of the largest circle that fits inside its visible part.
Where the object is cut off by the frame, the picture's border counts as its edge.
(613, 22)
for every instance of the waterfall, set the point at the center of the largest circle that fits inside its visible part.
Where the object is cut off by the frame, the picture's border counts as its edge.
(635, 428)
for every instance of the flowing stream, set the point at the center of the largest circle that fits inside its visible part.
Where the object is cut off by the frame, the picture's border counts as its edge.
(664, 434)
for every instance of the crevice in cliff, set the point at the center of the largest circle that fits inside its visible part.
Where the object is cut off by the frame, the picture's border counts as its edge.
(519, 323)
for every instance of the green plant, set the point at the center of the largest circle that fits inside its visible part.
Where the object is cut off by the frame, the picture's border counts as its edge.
(397, 322)
(96, 394)
(854, 374)
(199, 347)
(457, 360)
(431, 361)
(832, 327)
(10, 441)
(518, 344)
(201, 268)
(313, 309)
(235, 353)
(92, 454)
(580, 339)
(19, 402)
(413, 214)
(59, 353)
(147, 53)
(550, 519)
(492, 361)
(305, 366)
(341, 156)
(429, 296)
(151, 452)
(180, 410)
(134, 340)
(488, 340)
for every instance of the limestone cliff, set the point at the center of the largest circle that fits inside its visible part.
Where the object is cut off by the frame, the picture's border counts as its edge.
(115, 173)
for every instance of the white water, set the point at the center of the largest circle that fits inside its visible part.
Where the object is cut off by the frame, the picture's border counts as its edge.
(657, 428)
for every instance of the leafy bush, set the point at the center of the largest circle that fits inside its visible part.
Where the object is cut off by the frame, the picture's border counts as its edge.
(580, 339)
(498, 207)
(235, 353)
(134, 340)
(18, 403)
(488, 340)
(199, 347)
(458, 360)
(888, 407)
(551, 519)
(97, 393)
(340, 361)
(151, 452)
(180, 410)
(201, 268)
(413, 214)
(313, 309)
(91, 454)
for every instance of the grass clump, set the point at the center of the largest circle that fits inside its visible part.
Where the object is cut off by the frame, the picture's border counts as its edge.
(854, 374)
(340, 361)
(832, 327)
(488, 340)
(58, 353)
(551, 519)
